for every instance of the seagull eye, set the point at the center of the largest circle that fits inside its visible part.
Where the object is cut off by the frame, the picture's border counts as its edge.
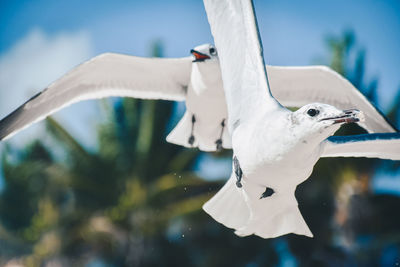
(312, 112)
(213, 51)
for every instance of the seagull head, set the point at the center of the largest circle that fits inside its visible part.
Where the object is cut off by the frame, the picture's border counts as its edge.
(204, 52)
(321, 120)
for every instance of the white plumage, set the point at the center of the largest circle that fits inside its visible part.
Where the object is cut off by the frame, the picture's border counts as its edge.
(276, 149)
(179, 79)
(197, 83)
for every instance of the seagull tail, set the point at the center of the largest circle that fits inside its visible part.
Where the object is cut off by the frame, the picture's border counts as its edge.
(280, 216)
(228, 206)
(270, 217)
(204, 138)
(181, 133)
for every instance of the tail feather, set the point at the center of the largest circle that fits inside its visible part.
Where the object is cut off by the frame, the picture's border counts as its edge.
(181, 133)
(268, 218)
(228, 206)
(286, 222)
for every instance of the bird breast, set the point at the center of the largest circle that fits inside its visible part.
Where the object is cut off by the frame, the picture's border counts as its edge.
(206, 78)
(205, 96)
(268, 153)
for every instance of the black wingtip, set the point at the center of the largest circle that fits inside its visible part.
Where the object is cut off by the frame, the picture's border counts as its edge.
(10, 124)
(6, 124)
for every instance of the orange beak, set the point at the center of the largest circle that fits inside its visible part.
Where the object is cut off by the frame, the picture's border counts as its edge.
(198, 56)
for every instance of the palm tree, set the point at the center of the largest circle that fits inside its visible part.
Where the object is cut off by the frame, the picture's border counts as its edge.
(337, 199)
(135, 200)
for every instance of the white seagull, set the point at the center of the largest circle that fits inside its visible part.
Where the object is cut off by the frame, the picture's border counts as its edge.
(197, 80)
(274, 148)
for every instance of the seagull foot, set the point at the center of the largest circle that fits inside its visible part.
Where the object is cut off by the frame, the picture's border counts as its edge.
(219, 141)
(238, 172)
(219, 144)
(191, 140)
(268, 192)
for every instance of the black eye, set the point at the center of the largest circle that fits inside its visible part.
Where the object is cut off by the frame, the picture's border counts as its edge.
(213, 51)
(312, 112)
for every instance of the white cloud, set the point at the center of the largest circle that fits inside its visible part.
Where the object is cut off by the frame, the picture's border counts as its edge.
(33, 63)
(37, 60)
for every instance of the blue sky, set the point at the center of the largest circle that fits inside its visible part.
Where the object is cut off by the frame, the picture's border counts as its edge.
(42, 39)
(293, 32)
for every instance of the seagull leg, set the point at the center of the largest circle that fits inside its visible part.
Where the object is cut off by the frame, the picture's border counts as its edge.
(191, 138)
(219, 141)
(268, 192)
(238, 172)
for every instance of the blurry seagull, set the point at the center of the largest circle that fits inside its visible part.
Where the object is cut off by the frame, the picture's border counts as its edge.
(274, 148)
(197, 80)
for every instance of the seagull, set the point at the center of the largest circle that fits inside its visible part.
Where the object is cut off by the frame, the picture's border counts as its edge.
(196, 80)
(244, 93)
(274, 148)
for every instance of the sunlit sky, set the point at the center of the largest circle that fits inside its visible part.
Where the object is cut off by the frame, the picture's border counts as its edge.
(41, 39)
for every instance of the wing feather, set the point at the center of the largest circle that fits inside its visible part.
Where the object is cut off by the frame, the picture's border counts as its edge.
(104, 76)
(298, 86)
(378, 145)
(233, 25)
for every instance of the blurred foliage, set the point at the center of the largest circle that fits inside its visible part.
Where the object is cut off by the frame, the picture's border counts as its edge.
(135, 201)
(351, 224)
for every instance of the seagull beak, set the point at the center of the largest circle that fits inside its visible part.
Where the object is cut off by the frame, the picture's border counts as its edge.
(198, 56)
(347, 116)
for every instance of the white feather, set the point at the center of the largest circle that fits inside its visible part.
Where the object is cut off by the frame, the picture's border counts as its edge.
(104, 76)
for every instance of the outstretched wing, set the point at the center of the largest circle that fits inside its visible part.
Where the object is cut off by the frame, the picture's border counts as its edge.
(104, 76)
(379, 145)
(236, 37)
(297, 86)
